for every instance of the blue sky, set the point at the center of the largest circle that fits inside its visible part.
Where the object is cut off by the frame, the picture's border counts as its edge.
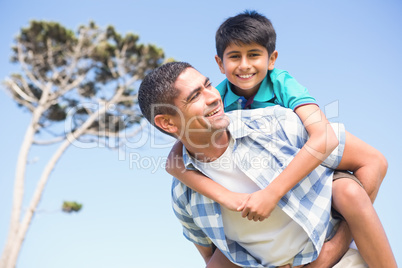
(347, 53)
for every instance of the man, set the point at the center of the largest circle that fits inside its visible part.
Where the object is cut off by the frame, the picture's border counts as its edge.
(244, 151)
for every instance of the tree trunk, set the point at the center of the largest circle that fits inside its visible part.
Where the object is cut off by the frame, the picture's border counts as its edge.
(15, 239)
(19, 239)
(19, 185)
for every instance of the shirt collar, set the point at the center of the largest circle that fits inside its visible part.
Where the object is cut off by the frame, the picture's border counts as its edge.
(261, 96)
(268, 91)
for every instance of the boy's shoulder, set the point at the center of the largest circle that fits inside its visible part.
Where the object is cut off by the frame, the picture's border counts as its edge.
(278, 73)
(223, 87)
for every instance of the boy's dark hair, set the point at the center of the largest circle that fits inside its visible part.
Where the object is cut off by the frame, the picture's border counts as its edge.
(157, 93)
(245, 28)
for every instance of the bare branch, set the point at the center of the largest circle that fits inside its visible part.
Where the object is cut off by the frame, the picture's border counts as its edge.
(56, 73)
(25, 67)
(19, 91)
(49, 142)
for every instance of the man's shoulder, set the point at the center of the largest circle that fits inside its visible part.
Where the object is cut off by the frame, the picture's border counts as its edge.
(252, 114)
(266, 120)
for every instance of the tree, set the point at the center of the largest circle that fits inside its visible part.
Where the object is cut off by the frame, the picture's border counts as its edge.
(71, 206)
(78, 87)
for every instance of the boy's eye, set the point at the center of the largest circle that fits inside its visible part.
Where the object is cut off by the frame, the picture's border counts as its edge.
(254, 55)
(234, 57)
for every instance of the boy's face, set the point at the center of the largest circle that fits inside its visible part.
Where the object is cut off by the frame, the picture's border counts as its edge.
(245, 66)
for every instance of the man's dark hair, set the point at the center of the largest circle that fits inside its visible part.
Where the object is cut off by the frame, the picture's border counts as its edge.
(245, 28)
(157, 93)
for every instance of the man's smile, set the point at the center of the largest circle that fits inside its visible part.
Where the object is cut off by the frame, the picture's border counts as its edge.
(217, 110)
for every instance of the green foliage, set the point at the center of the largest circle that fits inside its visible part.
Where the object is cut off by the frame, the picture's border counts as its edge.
(65, 70)
(70, 206)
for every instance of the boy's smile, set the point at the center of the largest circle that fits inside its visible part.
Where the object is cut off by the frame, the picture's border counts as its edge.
(245, 66)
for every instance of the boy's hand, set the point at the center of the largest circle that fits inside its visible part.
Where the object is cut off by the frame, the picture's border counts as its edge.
(259, 205)
(233, 200)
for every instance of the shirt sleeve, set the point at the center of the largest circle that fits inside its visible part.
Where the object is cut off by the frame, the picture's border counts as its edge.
(181, 208)
(335, 157)
(295, 133)
(289, 93)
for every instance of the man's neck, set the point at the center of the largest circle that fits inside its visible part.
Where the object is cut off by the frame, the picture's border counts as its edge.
(210, 148)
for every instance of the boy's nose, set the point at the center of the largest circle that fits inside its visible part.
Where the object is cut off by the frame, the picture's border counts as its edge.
(244, 64)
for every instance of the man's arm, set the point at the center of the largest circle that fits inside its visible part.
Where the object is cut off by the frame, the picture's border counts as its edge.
(214, 258)
(206, 252)
(334, 249)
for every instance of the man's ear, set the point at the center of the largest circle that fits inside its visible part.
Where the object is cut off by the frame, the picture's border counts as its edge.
(272, 59)
(220, 64)
(165, 122)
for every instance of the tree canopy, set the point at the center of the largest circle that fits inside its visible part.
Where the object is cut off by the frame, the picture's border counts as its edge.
(64, 70)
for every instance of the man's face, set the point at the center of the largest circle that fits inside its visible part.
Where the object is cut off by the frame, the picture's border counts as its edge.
(245, 66)
(199, 104)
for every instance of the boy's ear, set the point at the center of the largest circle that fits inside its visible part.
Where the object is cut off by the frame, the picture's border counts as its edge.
(220, 64)
(165, 122)
(272, 59)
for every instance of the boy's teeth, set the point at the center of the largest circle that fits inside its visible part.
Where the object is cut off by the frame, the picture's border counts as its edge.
(245, 76)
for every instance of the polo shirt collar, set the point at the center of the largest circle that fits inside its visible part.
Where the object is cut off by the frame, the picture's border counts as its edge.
(261, 96)
(268, 91)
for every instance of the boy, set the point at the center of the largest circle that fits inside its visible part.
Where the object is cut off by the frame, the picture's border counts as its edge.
(246, 55)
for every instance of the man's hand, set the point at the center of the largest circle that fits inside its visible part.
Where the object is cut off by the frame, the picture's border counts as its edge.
(325, 259)
(259, 205)
(333, 250)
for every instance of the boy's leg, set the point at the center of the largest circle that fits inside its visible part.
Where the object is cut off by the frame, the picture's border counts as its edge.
(350, 199)
(366, 162)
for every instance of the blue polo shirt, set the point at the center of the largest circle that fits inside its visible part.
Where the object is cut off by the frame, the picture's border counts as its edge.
(277, 88)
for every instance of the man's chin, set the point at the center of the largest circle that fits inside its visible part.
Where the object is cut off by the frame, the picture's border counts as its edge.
(220, 122)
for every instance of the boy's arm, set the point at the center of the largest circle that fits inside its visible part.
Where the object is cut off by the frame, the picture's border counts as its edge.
(322, 141)
(200, 183)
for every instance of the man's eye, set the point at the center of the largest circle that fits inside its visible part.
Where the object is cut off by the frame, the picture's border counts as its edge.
(195, 96)
(208, 85)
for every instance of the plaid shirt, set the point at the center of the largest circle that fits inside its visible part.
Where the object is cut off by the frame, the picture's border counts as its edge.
(266, 140)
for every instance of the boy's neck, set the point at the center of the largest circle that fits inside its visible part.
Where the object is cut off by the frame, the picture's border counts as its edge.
(248, 93)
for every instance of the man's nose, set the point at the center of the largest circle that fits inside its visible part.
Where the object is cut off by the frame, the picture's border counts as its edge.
(211, 96)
